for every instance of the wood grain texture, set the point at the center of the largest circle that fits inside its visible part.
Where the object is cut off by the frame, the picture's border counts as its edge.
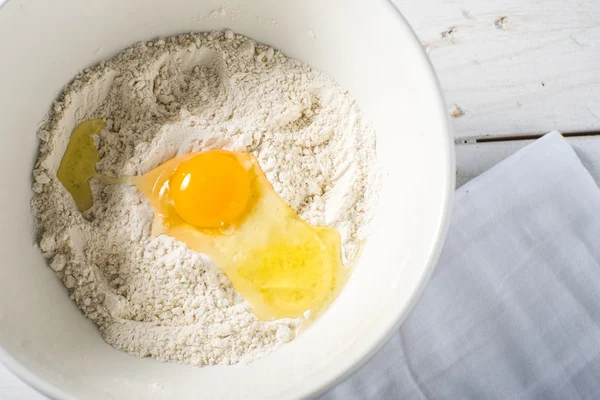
(514, 67)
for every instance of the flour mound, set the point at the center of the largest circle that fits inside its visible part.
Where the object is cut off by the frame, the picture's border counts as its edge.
(152, 296)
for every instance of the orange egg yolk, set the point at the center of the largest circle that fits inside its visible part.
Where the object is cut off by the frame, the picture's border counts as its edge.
(275, 260)
(282, 266)
(210, 190)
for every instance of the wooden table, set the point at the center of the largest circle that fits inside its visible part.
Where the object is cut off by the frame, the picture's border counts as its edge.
(511, 71)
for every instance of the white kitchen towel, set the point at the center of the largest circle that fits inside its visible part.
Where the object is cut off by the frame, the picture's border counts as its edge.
(513, 308)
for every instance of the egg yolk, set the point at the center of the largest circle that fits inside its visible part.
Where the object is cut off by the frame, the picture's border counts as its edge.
(210, 190)
(221, 204)
(283, 266)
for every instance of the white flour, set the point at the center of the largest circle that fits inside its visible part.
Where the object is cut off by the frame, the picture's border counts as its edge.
(152, 296)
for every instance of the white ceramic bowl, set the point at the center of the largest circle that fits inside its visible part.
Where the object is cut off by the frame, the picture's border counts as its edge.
(366, 46)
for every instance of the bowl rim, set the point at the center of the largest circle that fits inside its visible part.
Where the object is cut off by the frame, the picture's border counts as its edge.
(443, 224)
(47, 389)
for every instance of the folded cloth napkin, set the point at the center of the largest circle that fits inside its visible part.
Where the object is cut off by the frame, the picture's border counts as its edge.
(513, 308)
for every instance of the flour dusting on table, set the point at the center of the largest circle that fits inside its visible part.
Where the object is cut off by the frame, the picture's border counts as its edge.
(152, 296)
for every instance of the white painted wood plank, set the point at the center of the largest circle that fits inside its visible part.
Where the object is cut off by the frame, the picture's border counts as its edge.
(536, 70)
(473, 159)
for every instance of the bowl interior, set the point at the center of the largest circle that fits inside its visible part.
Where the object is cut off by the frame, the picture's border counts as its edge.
(365, 46)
